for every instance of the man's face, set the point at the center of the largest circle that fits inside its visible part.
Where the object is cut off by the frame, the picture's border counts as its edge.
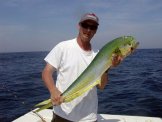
(87, 30)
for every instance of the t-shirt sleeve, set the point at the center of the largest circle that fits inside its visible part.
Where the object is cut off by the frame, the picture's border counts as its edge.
(54, 56)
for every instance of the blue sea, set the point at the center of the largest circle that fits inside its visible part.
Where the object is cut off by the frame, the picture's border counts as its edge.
(134, 88)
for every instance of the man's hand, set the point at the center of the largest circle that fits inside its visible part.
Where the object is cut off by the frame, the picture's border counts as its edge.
(56, 97)
(116, 59)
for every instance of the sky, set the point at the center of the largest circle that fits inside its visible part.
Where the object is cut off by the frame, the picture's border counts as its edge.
(38, 25)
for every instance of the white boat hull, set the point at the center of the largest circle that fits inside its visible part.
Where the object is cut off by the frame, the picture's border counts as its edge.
(47, 116)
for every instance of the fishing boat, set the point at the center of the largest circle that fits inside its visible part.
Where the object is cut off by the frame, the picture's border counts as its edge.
(46, 116)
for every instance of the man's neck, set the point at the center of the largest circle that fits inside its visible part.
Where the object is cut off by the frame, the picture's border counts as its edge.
(85, 45)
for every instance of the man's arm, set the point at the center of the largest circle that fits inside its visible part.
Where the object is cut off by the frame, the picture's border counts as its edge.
(104, 78)
(49, 82)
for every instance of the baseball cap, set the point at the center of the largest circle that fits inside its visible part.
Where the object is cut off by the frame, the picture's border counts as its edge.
(89, 16)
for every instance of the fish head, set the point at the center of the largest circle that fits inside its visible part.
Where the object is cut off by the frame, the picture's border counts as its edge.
(127, 46)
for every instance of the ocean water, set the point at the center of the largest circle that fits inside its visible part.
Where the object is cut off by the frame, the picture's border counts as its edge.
(134, 88)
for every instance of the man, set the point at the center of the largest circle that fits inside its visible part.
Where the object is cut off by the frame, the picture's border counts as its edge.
(70, 58)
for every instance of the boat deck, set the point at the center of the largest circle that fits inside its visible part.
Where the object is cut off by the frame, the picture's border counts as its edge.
(46, 116)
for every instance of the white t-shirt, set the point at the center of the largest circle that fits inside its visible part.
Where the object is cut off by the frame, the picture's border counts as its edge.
(70, 61)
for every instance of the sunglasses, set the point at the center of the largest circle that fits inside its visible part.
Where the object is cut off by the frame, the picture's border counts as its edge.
(91, 27)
